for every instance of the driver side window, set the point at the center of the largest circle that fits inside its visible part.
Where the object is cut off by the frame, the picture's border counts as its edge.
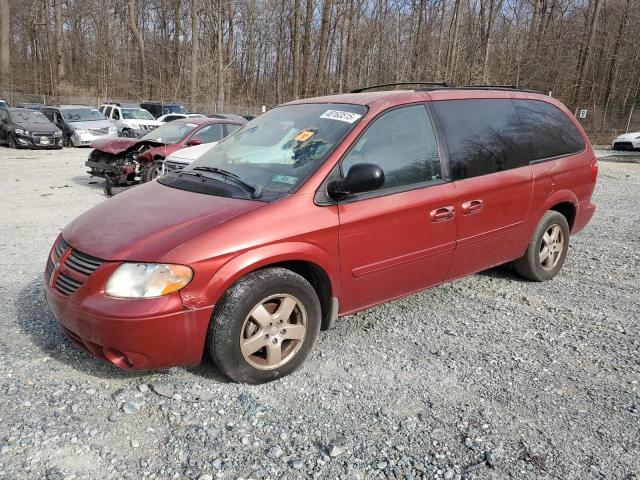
(116, 114)
(403, 144)
(210, 133)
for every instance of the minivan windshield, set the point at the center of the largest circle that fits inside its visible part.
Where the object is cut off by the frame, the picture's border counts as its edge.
(136, 114)
(279, 150)
(171, 132)
(81, 115)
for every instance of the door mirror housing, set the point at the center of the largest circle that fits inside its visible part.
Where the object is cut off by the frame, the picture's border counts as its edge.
(362, 177)
(193, 142)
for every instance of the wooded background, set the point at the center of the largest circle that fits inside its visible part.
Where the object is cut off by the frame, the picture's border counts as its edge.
(235, 55)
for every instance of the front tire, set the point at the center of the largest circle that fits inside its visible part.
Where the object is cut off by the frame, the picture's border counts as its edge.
(264, 326)
(12, 141)
(152, 171)
(547, 249)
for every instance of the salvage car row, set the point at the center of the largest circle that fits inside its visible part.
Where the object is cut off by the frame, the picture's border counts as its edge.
(31, 125)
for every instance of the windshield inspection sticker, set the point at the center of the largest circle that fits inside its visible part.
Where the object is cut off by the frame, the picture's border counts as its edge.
(284, 179)
(341, 116)
(305, 135)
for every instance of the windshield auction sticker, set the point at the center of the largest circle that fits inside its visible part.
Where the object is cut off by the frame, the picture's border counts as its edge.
(341, 116)
(304, 135)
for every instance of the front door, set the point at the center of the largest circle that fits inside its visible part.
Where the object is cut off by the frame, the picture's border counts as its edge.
(400, 238)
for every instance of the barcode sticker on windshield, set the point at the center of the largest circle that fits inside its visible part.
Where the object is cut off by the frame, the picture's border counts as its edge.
(348, 117)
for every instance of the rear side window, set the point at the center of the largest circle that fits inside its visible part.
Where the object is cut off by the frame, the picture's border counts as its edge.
(116, 114)
(402, 143)
(107, 112)
(483, 136)
(549, 132)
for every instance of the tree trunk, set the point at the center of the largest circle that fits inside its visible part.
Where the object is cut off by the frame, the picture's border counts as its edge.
(220, 61)
(5, 47)
(297, 16)
(194, 53)
(613, 67)
(306, 48)
(140, 41)
(60, 67)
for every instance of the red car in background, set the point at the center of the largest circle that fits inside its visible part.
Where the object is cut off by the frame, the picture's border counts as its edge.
(126, 161)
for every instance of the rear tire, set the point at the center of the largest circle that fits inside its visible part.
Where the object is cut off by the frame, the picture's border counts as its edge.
(547, 249)
(275, 315)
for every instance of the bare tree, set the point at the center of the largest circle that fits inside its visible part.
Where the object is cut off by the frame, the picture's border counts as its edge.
(140, 41)
(194, 52)
(5, 45)
(60, 67)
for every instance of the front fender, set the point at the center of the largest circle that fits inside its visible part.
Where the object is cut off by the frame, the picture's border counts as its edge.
(209, 293)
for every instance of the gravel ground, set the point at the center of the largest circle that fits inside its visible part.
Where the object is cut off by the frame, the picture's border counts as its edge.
(488, 377)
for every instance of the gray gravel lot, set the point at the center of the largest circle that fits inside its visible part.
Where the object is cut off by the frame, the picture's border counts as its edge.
(488, 377)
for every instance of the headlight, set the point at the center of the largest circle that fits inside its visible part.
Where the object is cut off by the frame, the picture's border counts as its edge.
(144, 280)
(20, 131)
(80, 131)
(57, 133)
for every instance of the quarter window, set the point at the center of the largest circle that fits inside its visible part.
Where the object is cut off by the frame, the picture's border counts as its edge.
(549, 131)
(403, 144)
(483, 136)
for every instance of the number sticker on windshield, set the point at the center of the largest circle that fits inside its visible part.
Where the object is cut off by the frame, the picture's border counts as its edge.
(341, 116)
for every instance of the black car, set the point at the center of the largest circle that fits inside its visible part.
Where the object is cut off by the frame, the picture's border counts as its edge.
(157, 109)
(25, 128)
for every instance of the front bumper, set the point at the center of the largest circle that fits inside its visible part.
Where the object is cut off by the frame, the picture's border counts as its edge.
(85, 139)
(38, 141)
(138, 334)
(626, 145)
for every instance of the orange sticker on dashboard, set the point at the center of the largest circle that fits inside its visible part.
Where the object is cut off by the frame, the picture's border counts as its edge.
(305, 135)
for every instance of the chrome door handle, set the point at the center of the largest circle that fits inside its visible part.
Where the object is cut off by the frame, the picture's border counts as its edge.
(442, 214)
(472, 206)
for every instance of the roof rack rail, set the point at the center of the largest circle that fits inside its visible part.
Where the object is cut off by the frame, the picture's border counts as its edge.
(514, 88)
(394, 84)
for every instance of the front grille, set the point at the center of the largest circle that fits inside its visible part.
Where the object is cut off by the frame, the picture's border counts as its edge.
(99, 131)
(623, 145)
(80, 264)
(83, 263)
(66, 285)
(171, 166)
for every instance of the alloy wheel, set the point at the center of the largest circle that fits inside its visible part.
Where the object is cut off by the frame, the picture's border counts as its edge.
(551, 247)
(273, 332)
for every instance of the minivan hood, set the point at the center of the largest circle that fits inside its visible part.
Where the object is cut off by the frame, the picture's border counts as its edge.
(166, 218)
(92, 124)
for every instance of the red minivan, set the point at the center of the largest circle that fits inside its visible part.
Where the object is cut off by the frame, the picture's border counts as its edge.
(316, 209)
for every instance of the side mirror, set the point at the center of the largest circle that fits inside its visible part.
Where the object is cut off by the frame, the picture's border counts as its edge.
(362, 177)
(193, 142)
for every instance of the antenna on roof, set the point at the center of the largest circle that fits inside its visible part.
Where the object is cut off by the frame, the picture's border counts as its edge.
(394, 84)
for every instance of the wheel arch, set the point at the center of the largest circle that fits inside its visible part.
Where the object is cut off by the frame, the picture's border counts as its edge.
(307, 260)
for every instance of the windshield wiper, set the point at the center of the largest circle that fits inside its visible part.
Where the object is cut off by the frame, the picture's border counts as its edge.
(256, 190)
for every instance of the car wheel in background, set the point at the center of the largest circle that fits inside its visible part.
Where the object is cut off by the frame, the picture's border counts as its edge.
(152, 172)
(128, 134)
(67, 141)
(547, 249)
(12, 141)
(264, 326)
